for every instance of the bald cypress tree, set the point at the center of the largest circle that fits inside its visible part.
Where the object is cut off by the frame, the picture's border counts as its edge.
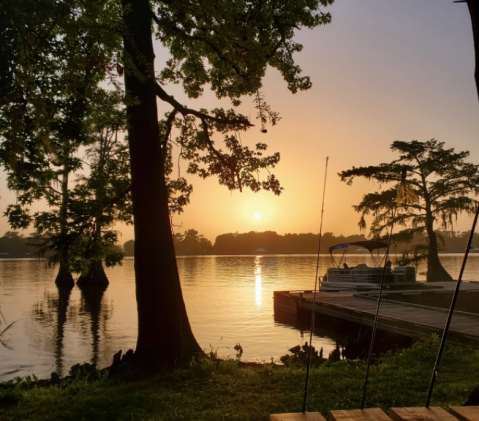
(443, 183)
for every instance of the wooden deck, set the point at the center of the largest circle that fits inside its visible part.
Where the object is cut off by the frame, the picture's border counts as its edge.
(410, 312)
(464, 413)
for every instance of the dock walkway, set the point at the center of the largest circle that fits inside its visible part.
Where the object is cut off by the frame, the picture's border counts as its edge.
(410, 312)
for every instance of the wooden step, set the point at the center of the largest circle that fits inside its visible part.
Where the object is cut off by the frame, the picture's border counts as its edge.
(297, 416)
(465, 413)
(420, 414)
(370, 414)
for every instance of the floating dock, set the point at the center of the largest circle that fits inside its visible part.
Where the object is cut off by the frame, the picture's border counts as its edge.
(415, 311)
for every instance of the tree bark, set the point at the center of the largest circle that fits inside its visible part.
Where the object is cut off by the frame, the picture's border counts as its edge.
(164, 332)
(95, 278)
(435, 270)
(64, 277)
(473, 6)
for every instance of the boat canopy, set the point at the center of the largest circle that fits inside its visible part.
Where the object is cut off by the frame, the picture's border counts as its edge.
(369, 245)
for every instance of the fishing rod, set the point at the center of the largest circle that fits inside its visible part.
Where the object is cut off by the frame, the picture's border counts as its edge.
(451, 309)
(314, 294)
(376, 317)
(404, 194)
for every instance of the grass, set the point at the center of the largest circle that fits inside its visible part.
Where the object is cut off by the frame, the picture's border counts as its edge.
(5, 329)
(212, 389)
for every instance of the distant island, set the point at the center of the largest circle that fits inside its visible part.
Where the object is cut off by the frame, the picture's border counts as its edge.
(191, 243)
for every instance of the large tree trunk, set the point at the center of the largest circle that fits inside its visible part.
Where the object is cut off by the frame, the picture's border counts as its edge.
(95, 278)
(164, 332)
(64, 277)
(435, 270)
(474, 12)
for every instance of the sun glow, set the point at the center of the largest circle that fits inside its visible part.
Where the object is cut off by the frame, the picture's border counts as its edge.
(257, 216)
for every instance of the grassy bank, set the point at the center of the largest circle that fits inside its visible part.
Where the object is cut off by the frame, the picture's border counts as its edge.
(210, 389)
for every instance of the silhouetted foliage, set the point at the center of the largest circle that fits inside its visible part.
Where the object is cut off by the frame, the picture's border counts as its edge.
(129, 248)
(441, 182)
(300, 356)
(274, 243)
(13, 244)
(191, 243)
(456, 241)
(62, 52)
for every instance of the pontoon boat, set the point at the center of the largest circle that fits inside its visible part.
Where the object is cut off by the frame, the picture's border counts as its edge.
(362, 275)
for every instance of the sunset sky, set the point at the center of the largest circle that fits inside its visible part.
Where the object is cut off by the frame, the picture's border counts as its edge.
(382, 71)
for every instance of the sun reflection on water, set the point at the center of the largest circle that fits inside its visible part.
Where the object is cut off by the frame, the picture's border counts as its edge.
(257, 274)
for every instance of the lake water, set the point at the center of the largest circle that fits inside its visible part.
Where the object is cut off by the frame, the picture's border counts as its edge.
(229, 300)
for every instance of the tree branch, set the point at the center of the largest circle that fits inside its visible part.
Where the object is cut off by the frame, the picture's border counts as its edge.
(161, 93)
(220, 157)
(169, 123)
(218, 52)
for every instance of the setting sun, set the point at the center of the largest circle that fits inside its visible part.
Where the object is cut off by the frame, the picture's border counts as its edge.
(257, 216)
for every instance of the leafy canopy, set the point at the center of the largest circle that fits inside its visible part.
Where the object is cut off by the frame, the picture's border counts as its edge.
(440, 180)
(58, 53)
(50, 108)
(227, 46)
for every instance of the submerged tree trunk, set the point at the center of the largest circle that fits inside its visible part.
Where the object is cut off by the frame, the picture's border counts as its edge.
(64, 277)
(95, 278)
(164, 332)
(435, 270)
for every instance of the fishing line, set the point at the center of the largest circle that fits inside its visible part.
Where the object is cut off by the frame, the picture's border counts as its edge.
(407, 195)
(451, 309)
(376, 317)
(314, 293)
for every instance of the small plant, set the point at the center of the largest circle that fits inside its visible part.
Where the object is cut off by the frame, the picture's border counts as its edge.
(239, 351)
(335, 354)
(20, 382)
(300, 356)
(4, 330)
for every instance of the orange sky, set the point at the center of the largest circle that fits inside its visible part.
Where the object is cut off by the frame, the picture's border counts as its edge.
(382, 71)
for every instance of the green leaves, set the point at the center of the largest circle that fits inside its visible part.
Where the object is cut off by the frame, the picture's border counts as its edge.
(52, 108)
(236, 166)
(228, 44)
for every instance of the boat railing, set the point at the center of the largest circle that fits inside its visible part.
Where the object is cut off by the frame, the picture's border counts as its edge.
(358, 274)
(363, 274)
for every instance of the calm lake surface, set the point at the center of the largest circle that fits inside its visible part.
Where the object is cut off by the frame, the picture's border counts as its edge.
(229, 300)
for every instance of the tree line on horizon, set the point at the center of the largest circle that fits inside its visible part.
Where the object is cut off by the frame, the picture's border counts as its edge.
(191, 243)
